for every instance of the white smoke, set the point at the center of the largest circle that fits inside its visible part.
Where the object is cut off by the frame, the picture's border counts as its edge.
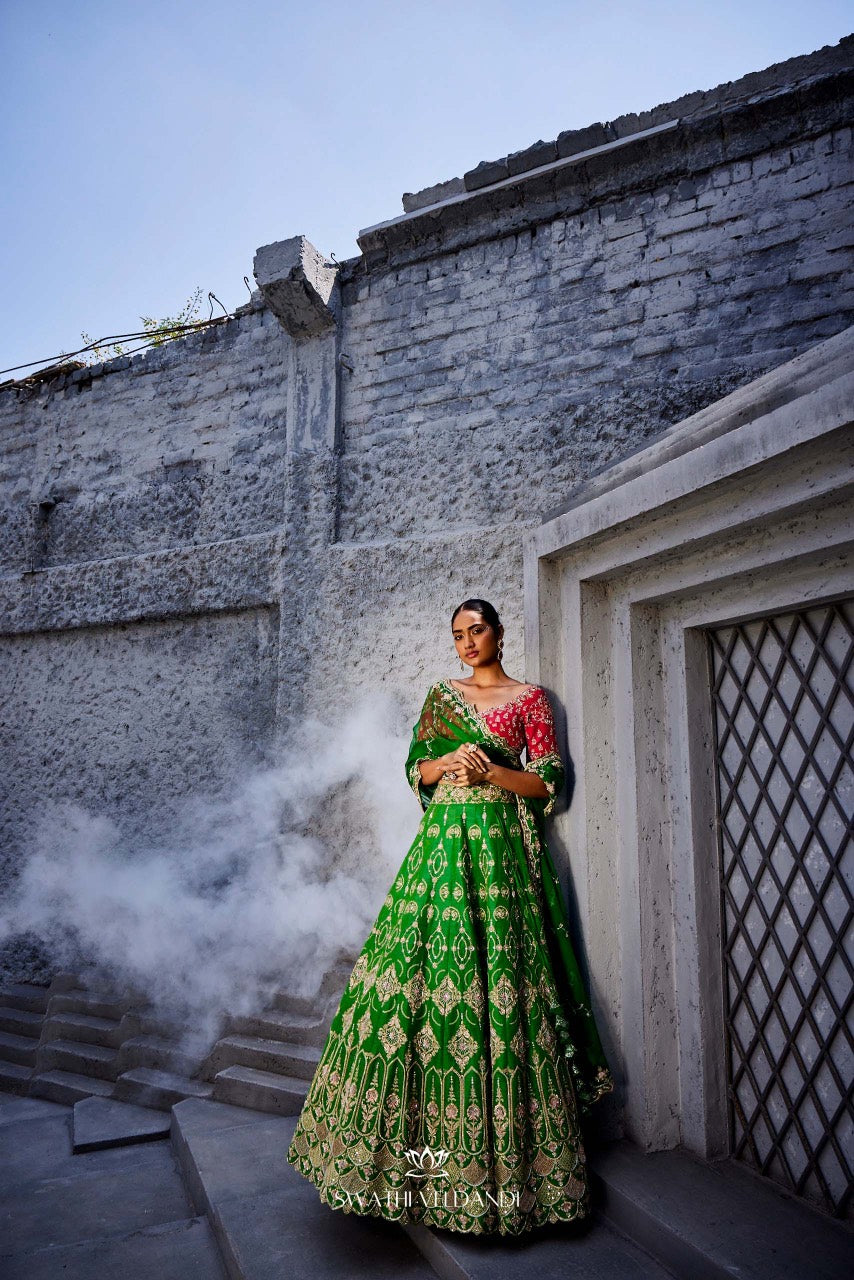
(245, 899)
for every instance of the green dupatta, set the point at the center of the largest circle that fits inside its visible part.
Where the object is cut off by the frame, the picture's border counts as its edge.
(448, 719)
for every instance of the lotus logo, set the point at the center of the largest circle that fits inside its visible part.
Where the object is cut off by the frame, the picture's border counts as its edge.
(427, 1163)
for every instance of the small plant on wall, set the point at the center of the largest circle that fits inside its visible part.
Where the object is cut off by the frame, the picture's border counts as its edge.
(157, 331)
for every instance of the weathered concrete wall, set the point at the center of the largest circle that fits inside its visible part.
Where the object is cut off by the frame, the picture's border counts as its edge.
(182, 444)
(288, 516)
(105, 712)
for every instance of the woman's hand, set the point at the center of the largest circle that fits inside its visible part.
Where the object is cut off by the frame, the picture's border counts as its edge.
(468, 765)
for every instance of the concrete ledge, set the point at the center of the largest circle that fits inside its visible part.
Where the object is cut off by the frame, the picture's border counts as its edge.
(240, 573)
(499, 177)
(716, 1221)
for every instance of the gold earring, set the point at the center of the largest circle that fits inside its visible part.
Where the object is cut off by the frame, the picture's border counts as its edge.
(500, 648)
(462, 665)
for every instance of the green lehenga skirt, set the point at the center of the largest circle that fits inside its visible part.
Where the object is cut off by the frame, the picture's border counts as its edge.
(463, 1051)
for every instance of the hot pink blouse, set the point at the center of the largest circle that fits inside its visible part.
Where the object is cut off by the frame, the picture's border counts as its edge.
(523, 721)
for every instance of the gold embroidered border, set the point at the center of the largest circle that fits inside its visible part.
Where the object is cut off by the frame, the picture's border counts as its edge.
(447, 793)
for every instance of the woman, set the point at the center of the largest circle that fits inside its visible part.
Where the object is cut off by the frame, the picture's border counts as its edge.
(464, 1050)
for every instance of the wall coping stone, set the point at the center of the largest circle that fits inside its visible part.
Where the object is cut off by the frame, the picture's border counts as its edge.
(764, 114)
(750, 87)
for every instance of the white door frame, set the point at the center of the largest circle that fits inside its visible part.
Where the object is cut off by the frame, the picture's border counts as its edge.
(745, 508)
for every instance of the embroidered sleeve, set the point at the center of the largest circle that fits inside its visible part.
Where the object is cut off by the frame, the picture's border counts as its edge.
(424, 745)
(542, 751)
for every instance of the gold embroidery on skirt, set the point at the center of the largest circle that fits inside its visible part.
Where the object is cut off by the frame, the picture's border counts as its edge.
(448, 793)
(442, 1038)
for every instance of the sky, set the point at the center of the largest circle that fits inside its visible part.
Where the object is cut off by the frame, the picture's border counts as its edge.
(149, 150)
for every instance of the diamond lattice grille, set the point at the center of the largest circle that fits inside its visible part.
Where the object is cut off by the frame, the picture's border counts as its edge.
(784, 721)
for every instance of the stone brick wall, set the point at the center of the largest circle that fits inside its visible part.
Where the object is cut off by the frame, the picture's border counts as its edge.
(182, 444)
(263, 523)
(541, 329)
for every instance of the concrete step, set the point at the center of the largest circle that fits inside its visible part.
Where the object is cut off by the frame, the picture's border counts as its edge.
(273, 1024)
(180, 1250)
(303, 1006)
(15, 1077)
(85, 1027)
(261, 1090)
(324, 1000)
(298, 1060)
(14, 1107)
(587, 1250)
(24, 995)
(269, 1221)
(17, 1048)
(67, 1086)
(162, 1089)
(337, 977)
(99, 1123)
(78, 1057)
(152, 1023)
(100, 1209)
(21, 1022)
(716, 1220)
(160, 1054)
(79, 1000)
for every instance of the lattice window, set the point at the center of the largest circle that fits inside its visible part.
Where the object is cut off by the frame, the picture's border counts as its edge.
(783, 709)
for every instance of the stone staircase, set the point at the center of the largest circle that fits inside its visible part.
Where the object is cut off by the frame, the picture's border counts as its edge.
(22, 1011)
(106, 1044)
(266, 1061)
(64, 1043)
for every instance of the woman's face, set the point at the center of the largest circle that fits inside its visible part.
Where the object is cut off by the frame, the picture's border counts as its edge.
(474, 639)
